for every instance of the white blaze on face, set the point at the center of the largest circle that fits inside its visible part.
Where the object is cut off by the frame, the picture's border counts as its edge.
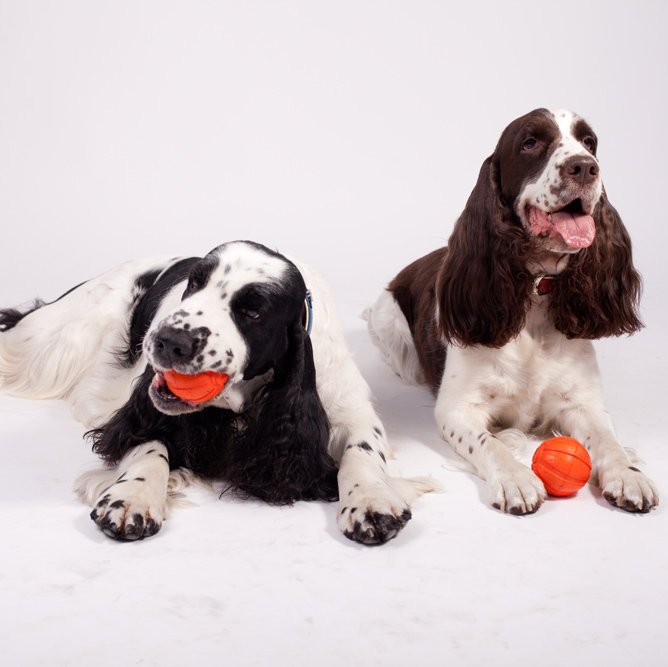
(540, 202)
(209, 309)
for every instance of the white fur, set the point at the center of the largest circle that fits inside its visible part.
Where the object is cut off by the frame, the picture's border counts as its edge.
(366, 490)
(539, 382)
(67, 350)
(130, 501)
(391, 334)
(540, 192)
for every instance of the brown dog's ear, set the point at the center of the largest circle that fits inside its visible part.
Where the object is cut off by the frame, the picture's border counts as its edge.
(598, 294)
(483, 285)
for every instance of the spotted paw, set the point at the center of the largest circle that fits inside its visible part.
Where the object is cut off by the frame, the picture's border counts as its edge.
(516, 490)
(372, 514)
(629, 489)
(124, 512)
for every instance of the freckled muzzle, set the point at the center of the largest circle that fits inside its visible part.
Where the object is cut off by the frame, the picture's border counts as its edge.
(177, 348)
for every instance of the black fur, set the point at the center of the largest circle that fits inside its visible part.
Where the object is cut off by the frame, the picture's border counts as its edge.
(277, 449)
(151, 291)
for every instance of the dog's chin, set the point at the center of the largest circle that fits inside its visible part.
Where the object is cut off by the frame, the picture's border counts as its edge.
(235, 396)
(169, 403)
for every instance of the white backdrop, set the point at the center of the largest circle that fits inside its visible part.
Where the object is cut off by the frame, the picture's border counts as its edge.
(348, 134)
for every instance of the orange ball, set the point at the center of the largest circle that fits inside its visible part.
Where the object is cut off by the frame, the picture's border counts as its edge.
(195, 388)
(563, 465)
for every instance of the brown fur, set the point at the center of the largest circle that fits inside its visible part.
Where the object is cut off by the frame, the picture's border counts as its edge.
(481, 283)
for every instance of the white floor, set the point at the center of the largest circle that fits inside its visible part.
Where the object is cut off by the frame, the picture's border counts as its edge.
(348, 134)
(240, 583)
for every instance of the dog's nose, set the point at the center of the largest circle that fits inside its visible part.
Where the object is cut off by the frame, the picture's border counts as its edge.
(581, 168)
(173, 346)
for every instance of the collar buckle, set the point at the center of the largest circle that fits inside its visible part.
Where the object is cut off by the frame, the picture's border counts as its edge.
(308, 312)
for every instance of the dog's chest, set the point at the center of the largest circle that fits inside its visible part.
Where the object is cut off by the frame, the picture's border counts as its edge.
(519, 383)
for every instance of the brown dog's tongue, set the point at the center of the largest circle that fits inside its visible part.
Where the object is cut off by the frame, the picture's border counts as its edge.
(577, 230)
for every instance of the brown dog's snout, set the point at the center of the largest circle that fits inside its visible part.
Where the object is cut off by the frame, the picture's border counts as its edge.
(581, 169)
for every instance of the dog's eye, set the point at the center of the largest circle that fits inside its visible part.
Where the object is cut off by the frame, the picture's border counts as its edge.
(589, 143)
(250, 314)
(194, 285)
(529, 144)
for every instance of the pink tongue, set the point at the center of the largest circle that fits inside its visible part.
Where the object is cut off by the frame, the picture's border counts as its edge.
(577, 230)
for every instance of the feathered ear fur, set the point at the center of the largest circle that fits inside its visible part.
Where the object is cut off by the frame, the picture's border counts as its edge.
(281, 455)
(197, 440)
(598, 293)
(482, 287)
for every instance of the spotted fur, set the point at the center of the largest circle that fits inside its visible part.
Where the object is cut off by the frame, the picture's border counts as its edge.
(294, 420)
(466, 321)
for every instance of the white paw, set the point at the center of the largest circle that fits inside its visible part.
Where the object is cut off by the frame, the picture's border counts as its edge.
(126, 511)
(628, 488)
(516, 490)
(375, 513)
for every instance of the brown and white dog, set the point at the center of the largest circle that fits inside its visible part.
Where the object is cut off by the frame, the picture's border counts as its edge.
(499, 323)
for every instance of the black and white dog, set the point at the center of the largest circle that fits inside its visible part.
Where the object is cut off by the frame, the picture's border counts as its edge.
(294, 413)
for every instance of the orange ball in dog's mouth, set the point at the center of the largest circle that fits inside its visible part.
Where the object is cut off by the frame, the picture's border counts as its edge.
(197, 388)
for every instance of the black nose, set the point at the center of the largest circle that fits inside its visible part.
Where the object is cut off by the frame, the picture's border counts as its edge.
(581, 169)
(174, 346)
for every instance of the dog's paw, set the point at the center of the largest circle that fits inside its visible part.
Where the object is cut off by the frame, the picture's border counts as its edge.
(629, 489)
(516, 490)
(372, 513)
(125, 513)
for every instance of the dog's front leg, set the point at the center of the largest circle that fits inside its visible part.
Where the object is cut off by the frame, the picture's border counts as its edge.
(130, 501)
(463, 424)
(621, 482)
(373, 506)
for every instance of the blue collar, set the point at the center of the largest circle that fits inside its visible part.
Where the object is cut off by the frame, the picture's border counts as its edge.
(308, 314)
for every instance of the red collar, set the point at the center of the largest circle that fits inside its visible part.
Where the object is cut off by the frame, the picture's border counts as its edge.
(542, 285)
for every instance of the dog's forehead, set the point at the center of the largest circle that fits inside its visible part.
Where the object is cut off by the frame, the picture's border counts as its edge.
(567, 121)
(242, 263)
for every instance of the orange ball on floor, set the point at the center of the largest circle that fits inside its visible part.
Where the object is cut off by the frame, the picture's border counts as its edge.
(563, 465)
(197, 388)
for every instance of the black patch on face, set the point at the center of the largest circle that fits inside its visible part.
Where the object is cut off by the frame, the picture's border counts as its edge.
(200, 274)
(276, 449)
(145, 308)
(365, 446)
(263, 313)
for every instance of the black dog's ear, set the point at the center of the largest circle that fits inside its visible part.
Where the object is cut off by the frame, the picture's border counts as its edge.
(281, 454)
(483, 284)
(598, 293)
